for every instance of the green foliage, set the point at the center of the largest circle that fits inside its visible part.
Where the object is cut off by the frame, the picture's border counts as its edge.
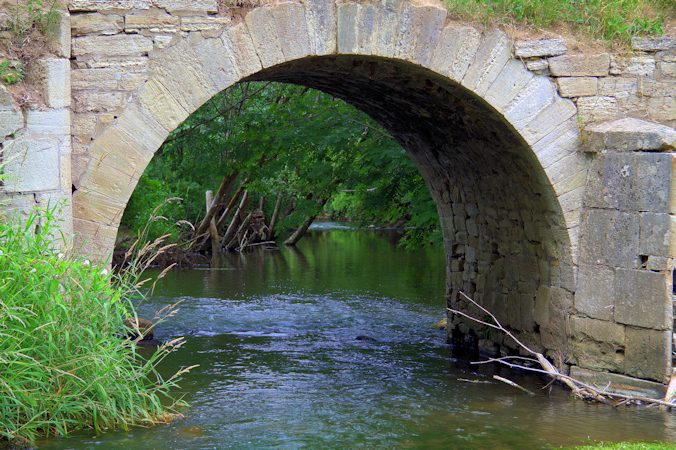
(62, 364)
(309, 147)
(149, 194)
(628, 446)
(32, 14)
(612, 20)
(10, 72)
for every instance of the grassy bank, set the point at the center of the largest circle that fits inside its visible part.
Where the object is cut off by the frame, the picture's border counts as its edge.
(63, 365)
(611, 20)
(627, 446)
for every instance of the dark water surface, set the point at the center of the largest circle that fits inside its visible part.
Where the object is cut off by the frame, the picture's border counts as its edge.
(274, 333)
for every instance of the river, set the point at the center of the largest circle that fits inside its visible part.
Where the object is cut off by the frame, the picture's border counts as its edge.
(280, 367)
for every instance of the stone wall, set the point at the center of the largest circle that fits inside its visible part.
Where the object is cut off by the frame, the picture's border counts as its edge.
(35, 138)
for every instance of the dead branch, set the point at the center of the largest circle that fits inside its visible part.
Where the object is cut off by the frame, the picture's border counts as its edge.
(580, 389)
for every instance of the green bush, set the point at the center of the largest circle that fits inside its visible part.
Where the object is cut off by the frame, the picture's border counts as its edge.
(63, 365)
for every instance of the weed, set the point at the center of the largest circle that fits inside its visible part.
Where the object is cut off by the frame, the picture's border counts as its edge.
(11, 72)
(611, 20)
(63, 365)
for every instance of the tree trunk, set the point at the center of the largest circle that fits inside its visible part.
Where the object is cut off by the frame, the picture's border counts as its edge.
(213, 232)
(231, 205)
(218, 198)
(237, 239)
(300, 232)
(232, 229)
(273, 220)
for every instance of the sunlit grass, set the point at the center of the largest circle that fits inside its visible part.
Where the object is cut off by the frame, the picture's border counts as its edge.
(610, 20)
(627, 446)
(63, 364)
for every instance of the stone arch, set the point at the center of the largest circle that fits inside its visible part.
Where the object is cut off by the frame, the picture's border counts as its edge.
(496, 145)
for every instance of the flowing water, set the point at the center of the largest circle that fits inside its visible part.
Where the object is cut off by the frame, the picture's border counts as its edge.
(329, 346)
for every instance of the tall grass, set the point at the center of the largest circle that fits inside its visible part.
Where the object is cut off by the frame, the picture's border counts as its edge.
(63, 365)
(610, 20)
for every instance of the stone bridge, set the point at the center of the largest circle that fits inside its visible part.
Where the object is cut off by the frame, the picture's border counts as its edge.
(556, 202)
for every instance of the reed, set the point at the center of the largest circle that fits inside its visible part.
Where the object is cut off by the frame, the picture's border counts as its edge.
(63, 363)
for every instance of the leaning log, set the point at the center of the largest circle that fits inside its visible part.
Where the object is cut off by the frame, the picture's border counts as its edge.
(213, 206)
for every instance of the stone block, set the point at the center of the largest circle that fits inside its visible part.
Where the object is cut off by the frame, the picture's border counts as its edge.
(455, 51)
(629, 134)
(162, 105)
(59, 40)
(320, 16)
(558, 112)
(123, 63)
(108, 181)
(659, 263)
(97, 208)
(590, 354)
(107, 5)
(542, 301)
(509, 83)
(597, 108)
(495, 49)
(595, 294)
(653, 44)
(117, 45)
(558, 144)
(239, 43)
(94, 101)
(292, 29)
(619, 384)
(132, 161)
(141, 127)
(634, 65)
(580, 65)
(156, 23)
(179, 69)
(131, 81)
(656, 235)
(667, 69)
(420, 26)
(263, 30)
(96, 23)
(648, 354)
(537, 65)
(31, 165)
(618, 86)
(201, 23)
(11, 121)
(610, 238)
(535, 97)
(49, 121)
(598, 330)
(100, 79)
(642, 299)
(631, 181)
(94, 240)
(54, 75)
(542, 47)
(188, 6)
(577, 86)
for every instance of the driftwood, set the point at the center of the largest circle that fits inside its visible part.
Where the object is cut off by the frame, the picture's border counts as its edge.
(213, 232)
(579, 389)
(273, 219)
(213, 206)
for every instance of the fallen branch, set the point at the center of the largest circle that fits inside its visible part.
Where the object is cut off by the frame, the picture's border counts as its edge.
(511, 383)
(580, 389)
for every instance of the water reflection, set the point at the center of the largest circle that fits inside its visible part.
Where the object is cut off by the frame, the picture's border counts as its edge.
(275, 334)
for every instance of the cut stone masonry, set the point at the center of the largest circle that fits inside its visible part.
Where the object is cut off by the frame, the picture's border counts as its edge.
(563, 231)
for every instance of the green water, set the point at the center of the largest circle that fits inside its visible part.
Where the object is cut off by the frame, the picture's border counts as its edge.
(274, 333)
